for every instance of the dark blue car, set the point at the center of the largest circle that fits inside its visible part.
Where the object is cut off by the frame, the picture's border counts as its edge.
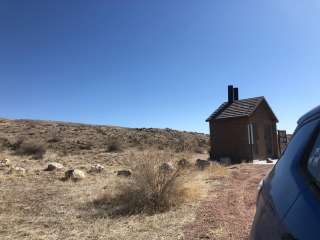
(288, 203)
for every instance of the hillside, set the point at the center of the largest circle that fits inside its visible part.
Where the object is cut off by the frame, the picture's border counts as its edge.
(72, 138)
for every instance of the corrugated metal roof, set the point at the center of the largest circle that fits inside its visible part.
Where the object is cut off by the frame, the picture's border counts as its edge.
(239, 108)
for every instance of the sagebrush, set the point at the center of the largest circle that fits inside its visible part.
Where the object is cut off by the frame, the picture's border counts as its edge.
(149, 189)
(33, 148)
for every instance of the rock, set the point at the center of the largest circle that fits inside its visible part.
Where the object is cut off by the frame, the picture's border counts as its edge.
(5, 162)
(269, 160)
(202, 164)
(183, 163)
(54, 166)
(17, 170)
(125, 173)
(166, 168)
(74, 174)
(97, 168)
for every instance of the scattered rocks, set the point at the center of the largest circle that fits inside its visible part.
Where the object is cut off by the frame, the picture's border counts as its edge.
(74, 174)
(5, 163)
(183, 163)
(202, 164)
(166, 168)
(54, 166)
(97, 168)
(17, 170)
(125, 173)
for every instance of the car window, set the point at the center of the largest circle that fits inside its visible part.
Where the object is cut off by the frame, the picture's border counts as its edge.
(314, 160)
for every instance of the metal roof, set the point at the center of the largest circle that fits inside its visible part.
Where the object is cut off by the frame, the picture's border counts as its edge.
(239, 108)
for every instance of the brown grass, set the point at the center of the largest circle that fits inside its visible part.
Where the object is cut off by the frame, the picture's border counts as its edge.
(39, 205)
(70, 138)
(216, 170)
(149, 190)
(31, 148)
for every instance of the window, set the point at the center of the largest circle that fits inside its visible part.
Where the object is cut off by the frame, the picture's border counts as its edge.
(314, 160)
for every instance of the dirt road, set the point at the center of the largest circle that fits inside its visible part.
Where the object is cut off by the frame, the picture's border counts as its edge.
(228, 210)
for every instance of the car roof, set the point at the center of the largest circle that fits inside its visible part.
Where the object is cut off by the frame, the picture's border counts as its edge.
(314, 113)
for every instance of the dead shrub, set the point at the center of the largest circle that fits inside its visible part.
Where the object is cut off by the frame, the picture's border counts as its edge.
(198, 150)
(54, 136)
(37, 150)
(148, 190)
(16, 143)
(4, 143)
(114, 146)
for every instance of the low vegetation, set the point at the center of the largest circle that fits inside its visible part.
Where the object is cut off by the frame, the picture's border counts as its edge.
(70, 138)
(114, 146)
(151, 188)
(156, 200)
(54, 136)
(31, 148)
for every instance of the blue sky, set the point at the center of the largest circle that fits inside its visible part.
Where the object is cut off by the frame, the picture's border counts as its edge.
(156, 63)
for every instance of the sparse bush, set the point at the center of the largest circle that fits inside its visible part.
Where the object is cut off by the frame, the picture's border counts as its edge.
(16, 143)
(4, 143)
(114, 146)
(184, 163)
(100, 130)
(198, 150)
(37, 150)
(149, 190)
(54, 136)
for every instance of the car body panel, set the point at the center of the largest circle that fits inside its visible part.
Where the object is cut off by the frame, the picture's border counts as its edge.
(265, 221)
(303, 220)
(281, 197)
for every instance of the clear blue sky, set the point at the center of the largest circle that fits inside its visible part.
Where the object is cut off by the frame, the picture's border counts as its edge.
(156, 63)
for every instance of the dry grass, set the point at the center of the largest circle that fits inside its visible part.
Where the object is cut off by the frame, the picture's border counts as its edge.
(41, 206)
(216, 170)
(38, 205)
(35, 149)
(70, 138)
(149, 189)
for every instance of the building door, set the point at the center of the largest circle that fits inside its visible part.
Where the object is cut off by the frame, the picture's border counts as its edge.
(268, 140)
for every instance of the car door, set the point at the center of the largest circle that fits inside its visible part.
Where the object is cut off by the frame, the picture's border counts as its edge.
(282, 188)
(303, 219)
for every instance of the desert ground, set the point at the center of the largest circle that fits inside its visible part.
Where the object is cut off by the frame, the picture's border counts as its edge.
(213, 202)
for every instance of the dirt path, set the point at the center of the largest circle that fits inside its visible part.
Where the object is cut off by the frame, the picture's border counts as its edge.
(228, 210)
